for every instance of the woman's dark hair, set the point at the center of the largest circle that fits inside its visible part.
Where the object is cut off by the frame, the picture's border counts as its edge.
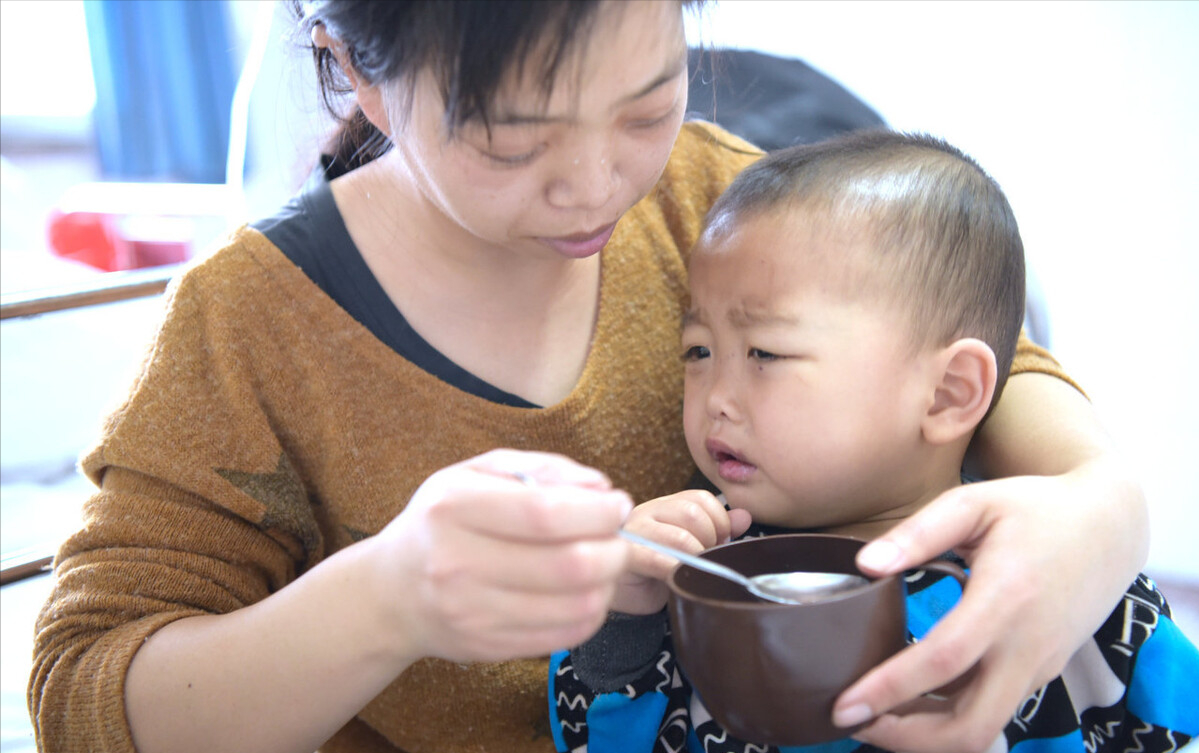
(469, 45)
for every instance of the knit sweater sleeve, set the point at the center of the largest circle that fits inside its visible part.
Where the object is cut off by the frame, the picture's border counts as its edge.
(1032, 358)
(199, 511)
(705, 161)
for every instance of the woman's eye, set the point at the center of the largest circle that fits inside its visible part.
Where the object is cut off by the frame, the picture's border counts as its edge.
(762, 355)
(512, 160)
(647, 123)
(695, 353)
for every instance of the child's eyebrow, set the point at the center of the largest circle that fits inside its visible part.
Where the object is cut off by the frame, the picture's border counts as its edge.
(742, 317)
(745, 318)
(692, 316)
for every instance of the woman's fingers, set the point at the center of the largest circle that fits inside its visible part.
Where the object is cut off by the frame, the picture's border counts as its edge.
(1013, 630)
(503, 555)
(968, 721)
(981, 680)
(546, 568)
(538, 468)
(558, 500)
(952, 519)
(950, 649)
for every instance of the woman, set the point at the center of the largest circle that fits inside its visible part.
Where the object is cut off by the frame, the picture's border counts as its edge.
(301, 539)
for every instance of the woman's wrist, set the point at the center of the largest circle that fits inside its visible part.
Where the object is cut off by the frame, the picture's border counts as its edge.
(390, 625)
(1107, 484)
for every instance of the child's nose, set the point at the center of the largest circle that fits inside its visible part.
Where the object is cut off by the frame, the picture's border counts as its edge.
(722, 399)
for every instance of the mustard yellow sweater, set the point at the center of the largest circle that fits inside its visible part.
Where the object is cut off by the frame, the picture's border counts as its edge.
(268, 429)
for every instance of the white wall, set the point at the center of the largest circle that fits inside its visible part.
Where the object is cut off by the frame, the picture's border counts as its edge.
(288, 124)
(1087, 113)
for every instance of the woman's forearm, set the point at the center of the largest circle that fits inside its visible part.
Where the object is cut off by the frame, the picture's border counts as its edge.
(280, 675)
(1043, 426)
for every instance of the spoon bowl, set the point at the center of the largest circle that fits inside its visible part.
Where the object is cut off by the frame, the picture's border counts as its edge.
(797, 587)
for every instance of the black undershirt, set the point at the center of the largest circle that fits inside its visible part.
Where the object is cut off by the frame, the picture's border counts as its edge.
(309, 230)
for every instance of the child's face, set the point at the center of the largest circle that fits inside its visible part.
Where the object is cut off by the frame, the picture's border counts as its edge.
(803, 397)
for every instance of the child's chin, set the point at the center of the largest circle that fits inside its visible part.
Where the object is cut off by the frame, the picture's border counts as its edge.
(762, 513)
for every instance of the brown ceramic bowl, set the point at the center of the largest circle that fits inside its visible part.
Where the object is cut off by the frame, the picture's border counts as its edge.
(769, 673)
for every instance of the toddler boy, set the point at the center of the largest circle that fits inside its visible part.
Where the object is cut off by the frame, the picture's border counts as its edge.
(855, 311)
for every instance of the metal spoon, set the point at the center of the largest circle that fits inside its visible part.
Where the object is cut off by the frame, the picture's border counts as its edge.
(783, 588)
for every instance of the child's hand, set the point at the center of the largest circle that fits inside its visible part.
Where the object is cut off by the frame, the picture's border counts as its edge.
(693, 521)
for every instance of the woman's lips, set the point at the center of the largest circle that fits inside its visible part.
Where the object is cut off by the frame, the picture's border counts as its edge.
(729, 464)
(581, 245)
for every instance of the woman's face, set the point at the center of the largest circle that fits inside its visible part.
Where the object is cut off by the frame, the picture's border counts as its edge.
(555, 175)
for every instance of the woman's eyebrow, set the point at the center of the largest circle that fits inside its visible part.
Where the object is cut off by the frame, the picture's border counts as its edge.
(668, 75)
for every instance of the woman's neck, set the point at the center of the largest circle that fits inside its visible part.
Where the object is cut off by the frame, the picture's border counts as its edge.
(523, 323)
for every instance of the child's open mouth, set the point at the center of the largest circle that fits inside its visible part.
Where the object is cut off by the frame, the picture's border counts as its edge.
(730, 465)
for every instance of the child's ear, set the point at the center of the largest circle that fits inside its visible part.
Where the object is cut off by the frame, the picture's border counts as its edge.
(962, 394)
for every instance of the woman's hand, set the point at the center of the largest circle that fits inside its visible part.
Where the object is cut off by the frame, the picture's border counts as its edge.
(1049, 558)
(692, 521)
(482, 566)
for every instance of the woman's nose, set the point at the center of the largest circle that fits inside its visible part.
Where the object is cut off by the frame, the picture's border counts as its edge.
(587, 180)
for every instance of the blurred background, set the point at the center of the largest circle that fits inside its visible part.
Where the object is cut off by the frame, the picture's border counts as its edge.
(133, 133)
(1086, 113)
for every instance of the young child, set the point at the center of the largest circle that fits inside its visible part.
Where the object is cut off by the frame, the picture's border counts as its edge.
(855, 306)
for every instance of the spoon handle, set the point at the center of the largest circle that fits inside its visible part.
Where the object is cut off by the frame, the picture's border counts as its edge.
(690, 559)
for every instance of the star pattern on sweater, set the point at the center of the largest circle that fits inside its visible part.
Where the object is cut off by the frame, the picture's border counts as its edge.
(287, 505)
(541, 728)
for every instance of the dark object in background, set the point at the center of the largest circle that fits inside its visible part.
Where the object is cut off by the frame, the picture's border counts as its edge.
(775, 102)
(772, 102)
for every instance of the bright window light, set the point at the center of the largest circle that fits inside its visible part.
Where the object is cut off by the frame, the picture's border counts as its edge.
(45, 66)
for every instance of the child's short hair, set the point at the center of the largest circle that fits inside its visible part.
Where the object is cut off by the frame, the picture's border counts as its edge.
(948, 250)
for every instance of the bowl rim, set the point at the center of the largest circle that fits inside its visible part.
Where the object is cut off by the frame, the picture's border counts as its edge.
(680, 593)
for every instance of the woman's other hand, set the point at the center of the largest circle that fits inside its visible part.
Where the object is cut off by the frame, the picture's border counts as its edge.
(1047, 566)
(509, 554)
(692, 521)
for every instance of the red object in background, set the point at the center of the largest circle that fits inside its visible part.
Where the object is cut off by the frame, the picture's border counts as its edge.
(84, 237)
(112, 242)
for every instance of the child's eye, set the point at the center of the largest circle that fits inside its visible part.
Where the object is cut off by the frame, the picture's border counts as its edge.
(695, 353)
(761, 355)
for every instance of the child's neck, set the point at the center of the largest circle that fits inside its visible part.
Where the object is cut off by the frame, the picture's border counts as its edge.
(876, 525)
